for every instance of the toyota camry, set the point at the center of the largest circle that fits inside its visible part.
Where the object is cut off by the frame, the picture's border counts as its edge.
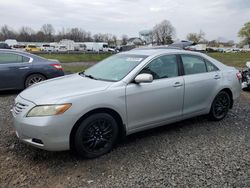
(123, 94)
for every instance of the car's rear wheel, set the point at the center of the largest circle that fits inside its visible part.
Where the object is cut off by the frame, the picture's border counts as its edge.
(220, 106)
(33, 79)
(96, 135)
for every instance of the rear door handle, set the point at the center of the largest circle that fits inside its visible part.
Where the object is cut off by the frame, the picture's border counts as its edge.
(21, 68)
(177, 84)
(216, 77)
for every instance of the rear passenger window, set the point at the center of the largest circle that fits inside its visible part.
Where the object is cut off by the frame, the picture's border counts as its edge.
(210, 67)
(12, 58)
(162, 67)
(26, 59)
(193, 64)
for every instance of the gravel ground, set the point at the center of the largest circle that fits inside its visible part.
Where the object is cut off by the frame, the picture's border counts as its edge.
(191, 153)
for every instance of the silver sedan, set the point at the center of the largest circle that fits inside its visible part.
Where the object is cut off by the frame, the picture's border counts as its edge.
(121, 95)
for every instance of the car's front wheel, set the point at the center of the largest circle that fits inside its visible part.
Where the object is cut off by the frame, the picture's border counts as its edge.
(96, 135)
(220, 106)
(33, 79)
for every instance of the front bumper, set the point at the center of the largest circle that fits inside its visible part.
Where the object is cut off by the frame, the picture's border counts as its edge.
(50, 133)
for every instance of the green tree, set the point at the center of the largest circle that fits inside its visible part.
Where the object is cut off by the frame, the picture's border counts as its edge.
(244, 33)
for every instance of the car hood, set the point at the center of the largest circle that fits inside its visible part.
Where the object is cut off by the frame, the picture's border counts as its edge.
(53, 90)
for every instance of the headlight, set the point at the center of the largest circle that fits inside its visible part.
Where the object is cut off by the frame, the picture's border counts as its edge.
(48, 110)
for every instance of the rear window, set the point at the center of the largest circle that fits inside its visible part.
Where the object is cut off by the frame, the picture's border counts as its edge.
(193, 64)
(210, 67)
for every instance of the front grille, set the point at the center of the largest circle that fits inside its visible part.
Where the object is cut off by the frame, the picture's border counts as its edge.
(19, 107)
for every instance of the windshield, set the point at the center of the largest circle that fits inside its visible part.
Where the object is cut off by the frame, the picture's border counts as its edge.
(115, 67)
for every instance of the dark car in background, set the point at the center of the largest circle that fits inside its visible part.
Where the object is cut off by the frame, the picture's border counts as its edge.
(4, 46)
(19, 70)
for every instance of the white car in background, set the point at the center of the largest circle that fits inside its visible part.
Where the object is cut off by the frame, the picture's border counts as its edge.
(61, 48)
(47, 48)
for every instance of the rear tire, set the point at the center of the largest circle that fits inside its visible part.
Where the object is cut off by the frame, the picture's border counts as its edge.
(33, 79)
(220, 106)
(96, 135)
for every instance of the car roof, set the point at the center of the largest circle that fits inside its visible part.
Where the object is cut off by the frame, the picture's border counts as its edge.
(156, 51)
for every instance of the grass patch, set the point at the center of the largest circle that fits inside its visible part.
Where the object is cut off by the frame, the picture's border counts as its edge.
(68, 58)
(73, 69)
(232, 59)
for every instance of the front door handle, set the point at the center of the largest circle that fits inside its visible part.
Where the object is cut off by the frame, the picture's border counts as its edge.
(21, 68)
(177, 84)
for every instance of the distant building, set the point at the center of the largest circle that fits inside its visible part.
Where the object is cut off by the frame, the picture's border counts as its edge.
(70, 44)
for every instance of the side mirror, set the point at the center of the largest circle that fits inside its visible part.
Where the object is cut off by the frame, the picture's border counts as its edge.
(143, 78)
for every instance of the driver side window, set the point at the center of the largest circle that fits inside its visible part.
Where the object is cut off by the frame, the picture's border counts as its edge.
(162, 67)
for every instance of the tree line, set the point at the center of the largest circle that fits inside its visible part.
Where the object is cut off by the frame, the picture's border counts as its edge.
(47, 34)
(161, 34)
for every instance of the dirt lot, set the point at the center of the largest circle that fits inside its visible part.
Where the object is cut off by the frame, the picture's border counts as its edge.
(191, 153)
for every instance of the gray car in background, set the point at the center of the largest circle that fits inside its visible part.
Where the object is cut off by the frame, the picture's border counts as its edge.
(123, 94)
(19, 70)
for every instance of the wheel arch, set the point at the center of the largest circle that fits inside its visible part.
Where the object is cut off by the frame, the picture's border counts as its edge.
(113, 113)
(31, 73)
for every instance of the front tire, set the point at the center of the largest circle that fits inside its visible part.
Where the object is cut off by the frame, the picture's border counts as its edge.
(96, 135)
(220, 106)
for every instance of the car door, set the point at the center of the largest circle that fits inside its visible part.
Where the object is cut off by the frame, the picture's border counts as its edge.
(201, 84)
(13, 68)
(157, 102)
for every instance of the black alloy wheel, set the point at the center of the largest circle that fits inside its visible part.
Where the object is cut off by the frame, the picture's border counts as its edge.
(96, 135)
(220, 106)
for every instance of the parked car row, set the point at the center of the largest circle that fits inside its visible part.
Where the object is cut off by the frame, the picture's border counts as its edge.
(65, 46)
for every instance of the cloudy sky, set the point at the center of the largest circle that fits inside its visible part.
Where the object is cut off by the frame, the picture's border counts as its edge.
(217, 18)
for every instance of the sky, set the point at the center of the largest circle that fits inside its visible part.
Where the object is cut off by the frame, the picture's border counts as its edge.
(217, 18)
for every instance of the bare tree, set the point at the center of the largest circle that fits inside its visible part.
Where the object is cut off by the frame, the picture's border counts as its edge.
(25, 34)
(7, 33)
(124, 39)
(48, 31)
(196, 37)
(163, 33)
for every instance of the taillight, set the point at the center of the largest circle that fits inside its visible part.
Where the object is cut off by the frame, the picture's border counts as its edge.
(57, 66)
(239, 76)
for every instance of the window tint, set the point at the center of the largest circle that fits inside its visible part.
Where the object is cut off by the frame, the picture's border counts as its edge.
(12, 58)
(193, 64)
(162, 67)
(210, 66)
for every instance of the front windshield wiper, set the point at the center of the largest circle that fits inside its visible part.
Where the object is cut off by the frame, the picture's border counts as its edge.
(87, 75)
